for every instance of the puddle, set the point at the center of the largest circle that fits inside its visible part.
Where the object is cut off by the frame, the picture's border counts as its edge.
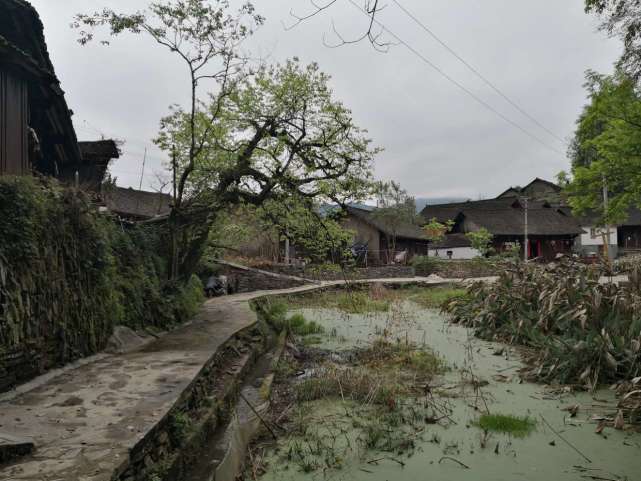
(455, 452)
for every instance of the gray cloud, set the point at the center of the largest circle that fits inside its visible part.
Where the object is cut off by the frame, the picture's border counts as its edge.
(437, 140)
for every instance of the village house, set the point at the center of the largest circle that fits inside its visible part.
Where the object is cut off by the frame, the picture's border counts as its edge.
(550, 230)
(624, 238)
(454, 246)
(378, 237)
(36, 130)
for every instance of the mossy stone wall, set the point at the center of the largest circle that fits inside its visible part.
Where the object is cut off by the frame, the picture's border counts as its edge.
(69, 274)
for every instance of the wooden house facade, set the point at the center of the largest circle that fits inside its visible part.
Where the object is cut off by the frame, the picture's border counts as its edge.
(386, 244)
(36, 128)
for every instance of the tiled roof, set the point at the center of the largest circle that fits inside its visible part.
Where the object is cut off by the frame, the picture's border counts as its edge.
(408, 231)
(453, 240)
(505, 216)
(137, 204)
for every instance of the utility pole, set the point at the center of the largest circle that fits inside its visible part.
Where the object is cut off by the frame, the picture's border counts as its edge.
(605, 213)
(173, 168)
(142, 176)
(525, 226)
(142, 172)
(287, 260)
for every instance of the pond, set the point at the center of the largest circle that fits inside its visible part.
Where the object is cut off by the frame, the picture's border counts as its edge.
(438, 435)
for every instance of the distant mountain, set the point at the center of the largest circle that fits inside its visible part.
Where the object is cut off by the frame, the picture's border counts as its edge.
(421, 202)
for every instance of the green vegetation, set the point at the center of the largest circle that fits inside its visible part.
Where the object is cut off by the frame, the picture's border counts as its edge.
(274, 312)
(68, 274)
(424, 265)
(358, 302)
(508, 424)
(383, 354)
(582, 331)
(297, 324)
(481, 241)
(436, 231)
(433, 297)
(180, 425)
(353, 301)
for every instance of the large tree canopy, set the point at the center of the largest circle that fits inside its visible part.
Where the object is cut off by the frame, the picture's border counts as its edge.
(279, 133)
(257, 135)
(606, 151)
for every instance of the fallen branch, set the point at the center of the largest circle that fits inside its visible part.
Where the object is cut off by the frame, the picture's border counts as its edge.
(449, 458)
(565, 440)
(271, 431)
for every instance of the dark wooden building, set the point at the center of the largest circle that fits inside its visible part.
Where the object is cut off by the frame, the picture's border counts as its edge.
(35, 123)
(551, 231)
(36, 130)
(372, 231)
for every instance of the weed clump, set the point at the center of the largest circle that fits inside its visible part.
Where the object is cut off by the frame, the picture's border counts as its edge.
(274, 312)
(353, 301)
(352, 384)
(501, 423)
(297, 324)
(385, 354)
(433, 298)
(360, 303)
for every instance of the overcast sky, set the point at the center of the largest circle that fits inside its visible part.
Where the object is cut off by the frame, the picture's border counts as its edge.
(438, 141)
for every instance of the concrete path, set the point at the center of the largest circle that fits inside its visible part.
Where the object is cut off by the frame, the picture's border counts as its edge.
(84, 420)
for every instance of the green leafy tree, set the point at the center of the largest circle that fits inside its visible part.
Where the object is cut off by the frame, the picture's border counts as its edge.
(481, 241)
(607, 149)
(436, 231)
(258, 135)
(280, 136)
(205, 36)
(394, 208)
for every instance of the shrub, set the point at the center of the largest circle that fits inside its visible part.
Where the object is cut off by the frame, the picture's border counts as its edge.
(424, 265)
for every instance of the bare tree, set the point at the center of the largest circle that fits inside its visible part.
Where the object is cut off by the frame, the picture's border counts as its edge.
(373, 33)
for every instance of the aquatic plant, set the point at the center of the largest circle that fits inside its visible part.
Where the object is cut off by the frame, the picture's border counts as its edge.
(297, 324)
(433, 297)
(383, 354)
(582, 331)
(518, 426)
(354, 300)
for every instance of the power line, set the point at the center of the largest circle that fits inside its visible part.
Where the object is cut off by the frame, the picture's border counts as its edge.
(458, 84)
(477, 73)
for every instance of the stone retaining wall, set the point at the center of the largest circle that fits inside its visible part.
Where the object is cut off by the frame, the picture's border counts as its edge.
(247, 279)
(459, 269)
(379, 272)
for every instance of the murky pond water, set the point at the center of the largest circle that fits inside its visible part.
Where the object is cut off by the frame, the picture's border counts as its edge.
(455, 452)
